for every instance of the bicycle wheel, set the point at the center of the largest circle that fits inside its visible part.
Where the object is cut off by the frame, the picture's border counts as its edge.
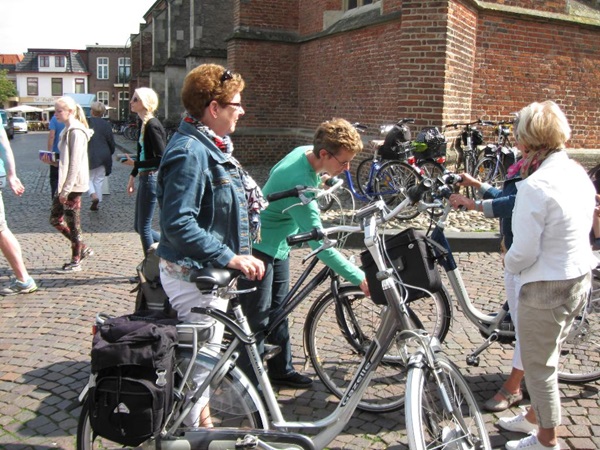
(580, 354)
(233, 403)
(363, 171)
(429, 424)
(391, 182)
(490, 170)
(338, 331)
(470, 169)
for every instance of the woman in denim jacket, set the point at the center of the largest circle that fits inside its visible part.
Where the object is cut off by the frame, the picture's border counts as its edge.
(208, 204)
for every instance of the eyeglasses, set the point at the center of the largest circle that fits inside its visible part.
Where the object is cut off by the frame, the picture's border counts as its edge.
(341, 163)
(227, 75)
(134, 100)
(237, 106)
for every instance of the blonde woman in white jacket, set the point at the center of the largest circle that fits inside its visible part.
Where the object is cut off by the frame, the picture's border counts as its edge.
(73, 179)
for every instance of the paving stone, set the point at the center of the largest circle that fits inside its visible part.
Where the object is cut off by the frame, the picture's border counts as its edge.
(45, 337)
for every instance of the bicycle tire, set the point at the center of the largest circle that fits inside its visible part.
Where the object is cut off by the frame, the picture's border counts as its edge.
(337, 340)
(234, 403)
(579, 360)
(363, 172)
(391, 182)
(470, 164)
(429, 424)
(491, 171)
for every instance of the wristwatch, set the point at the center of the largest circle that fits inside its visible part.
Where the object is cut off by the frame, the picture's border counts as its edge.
(478, 205)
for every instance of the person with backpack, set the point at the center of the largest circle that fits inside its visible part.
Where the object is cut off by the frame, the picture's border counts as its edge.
(209, 205)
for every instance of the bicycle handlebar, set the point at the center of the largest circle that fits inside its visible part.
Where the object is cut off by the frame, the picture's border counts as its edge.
(477, 122)
(294, 192)
(413, 195)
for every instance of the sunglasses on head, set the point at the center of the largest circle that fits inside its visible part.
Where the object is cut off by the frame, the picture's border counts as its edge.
(227, 75)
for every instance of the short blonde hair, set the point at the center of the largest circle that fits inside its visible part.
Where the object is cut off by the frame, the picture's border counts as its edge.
(335, 134)
(206, 83)
(542, 126)
(98, 109)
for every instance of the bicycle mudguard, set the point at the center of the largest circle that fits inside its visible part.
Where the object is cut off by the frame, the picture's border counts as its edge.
(228, 438)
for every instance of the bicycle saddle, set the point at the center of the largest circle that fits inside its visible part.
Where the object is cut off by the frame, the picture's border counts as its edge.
(211, 277)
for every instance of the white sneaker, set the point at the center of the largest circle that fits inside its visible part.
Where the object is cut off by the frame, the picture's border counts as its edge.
(529, 443)
(517, 424)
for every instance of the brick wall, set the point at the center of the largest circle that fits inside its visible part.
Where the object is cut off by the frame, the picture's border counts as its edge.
(519, 61)
(436, 61)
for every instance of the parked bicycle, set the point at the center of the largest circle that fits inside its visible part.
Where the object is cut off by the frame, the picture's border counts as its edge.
(496, 157)
(239, 414)
(466, 146)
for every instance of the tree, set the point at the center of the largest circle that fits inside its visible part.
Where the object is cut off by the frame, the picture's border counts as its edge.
(7, 87)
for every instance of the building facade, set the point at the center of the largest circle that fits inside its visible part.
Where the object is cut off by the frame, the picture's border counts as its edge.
(44, 75)
(376, 61)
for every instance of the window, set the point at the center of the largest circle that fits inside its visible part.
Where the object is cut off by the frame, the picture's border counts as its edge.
(32, 86)
(123, 105)
(79, 86)
(57, 87)
(102, 97)
(59, 61)
(351, 4)
(44, 61)
(102, 64)
(124, 70)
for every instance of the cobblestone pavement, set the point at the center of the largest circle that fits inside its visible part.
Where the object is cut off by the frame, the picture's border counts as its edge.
(45, 336)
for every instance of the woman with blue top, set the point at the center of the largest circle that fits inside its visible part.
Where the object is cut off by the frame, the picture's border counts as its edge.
(209, 205)
(150, 148)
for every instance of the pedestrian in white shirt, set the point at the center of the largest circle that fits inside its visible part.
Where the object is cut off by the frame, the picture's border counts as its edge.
(551, 253)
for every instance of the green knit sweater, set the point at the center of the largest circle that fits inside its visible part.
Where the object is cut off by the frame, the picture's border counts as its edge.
(291, 171)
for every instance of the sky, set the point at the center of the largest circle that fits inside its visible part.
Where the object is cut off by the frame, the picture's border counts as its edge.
(68, 24)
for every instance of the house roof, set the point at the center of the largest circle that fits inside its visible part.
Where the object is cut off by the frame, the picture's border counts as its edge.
(75, 63)
(10, 59)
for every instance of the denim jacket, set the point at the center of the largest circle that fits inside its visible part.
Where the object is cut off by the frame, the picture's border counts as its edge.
(204, 216)
(500, 204)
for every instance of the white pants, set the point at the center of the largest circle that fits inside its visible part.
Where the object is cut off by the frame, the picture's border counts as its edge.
(511, 285)
(97, 176)
(183, 296)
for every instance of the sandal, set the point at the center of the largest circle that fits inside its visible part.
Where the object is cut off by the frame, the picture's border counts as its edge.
(509, 400)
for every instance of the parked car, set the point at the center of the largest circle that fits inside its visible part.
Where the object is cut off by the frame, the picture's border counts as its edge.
(7, 122)
(20, 124)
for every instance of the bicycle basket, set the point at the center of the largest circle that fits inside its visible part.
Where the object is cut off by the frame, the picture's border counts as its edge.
(429, 144)
(394, 144)
(412, 257)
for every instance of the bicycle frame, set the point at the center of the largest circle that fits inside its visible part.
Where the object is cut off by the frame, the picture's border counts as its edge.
(395, 317)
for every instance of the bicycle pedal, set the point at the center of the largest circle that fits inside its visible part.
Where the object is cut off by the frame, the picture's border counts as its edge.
(270, 351)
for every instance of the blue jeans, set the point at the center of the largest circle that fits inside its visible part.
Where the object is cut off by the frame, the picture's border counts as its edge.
(260, 307)
(145, 205)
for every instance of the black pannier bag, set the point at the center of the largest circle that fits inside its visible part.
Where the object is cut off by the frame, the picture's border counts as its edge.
(396, 143)
(133, 361)
(429, 144)
(413, 258)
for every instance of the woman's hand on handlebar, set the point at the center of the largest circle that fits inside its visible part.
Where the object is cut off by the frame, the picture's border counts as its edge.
(461, 202)
(251, 267)
(468, 180)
